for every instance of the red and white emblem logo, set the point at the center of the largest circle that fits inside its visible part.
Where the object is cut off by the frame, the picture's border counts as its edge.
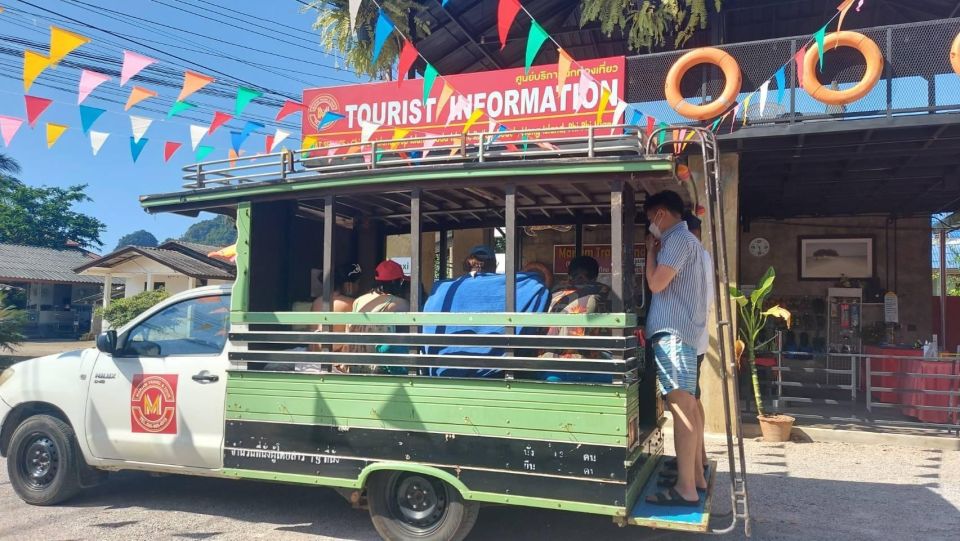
(153, 403)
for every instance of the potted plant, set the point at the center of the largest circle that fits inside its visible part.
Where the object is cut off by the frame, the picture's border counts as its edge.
(753, 318)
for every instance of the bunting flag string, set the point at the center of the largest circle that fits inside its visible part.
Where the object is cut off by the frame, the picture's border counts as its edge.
(169, 149)
(63, 42)
(585, 84)
(89, 80)
(139, 126)
(798, 62)
(382, 31)
(133, 63)
(474, 117)
(202, 152)
(604, 100)
(429, 77)
(192, 82)
(35, 107)
(138, 94)
(219, 119)
(97, 139)
(534, 42)
(268, 143)
(746, 108)
(8, 128)
(843, 8)
(278, 138)
(445, 94)
(237, 139)
(354, 6)
(506, 13)
(764, 91)
(244, 97)
(179, 107)
(196, 135)
(89, 115)
(136, 147)
(251, 127)
(818, 37)
(289, 107)
(33, 65)
(563, 67)
(54, 132)
(408, 55)
(367, 129)
(781, 77)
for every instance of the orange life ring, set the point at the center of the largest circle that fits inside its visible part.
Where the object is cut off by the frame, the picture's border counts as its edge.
(871, 53)
(955, 54)
(705, 55)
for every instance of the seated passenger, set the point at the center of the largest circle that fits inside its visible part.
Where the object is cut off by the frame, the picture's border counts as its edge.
(388, 296)
(480, 290)
(346, 279)
(541, 269)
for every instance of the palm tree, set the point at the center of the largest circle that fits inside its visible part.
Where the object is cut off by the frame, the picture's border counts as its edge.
(8, 165)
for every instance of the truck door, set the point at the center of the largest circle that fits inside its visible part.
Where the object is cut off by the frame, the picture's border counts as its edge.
(160, 398)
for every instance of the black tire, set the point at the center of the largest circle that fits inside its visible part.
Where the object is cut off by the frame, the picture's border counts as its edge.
(42, 461)
(408, 506)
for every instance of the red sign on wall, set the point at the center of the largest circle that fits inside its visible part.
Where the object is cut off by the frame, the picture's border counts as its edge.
(153, 403)
(514, 99)
(563, 253)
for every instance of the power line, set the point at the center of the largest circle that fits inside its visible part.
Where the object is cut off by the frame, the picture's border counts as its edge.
(248, 15)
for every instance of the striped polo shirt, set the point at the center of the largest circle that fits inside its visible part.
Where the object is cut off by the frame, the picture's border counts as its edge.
(681, 308)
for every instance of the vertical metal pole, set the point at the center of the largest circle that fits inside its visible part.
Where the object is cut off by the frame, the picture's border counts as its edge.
(416, 247)
(199, 175)
(373, 155)
(888, 70)
(616, 245)
(793, 81)
(578, 237)
(943, 288)
(868, 384)
(283, 165)
(779, 369)
(590, 141)
(483, 138)
(444, 255)
(329, 222)
(510, 267)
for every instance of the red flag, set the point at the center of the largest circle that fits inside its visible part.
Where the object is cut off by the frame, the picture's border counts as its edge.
(289, 107)
(651, 123)
(35, 107)
(408, 55)
(506, 13)
(798, 60)
(169, 148)
(219, 119)
(269, 140)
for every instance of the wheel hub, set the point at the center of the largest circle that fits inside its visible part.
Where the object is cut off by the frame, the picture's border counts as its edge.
(40, 461)
(421, 502)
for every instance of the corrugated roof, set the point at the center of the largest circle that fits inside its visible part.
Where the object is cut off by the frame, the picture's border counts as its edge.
(191, 265)
(32, 263)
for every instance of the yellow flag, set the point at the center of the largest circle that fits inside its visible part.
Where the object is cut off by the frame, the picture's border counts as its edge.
(474, 117)
(309, 141)
(33, 66)
(746, 109)
(563, 66)
(398, 134)
(54, 131)
(604, 100)
(444, 96)
(62, 42)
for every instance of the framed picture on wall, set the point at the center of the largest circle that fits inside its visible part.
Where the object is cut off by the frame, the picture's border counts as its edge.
(829, 258)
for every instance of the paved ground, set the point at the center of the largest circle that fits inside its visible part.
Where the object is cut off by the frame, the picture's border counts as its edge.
(799, 491)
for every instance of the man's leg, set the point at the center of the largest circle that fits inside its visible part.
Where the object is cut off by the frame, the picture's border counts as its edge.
(701, 453)
(685, 425)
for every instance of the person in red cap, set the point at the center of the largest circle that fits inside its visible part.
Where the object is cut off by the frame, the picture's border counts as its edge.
(389, 295)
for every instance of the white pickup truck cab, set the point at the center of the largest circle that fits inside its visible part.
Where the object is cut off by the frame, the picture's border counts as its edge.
(150, 396)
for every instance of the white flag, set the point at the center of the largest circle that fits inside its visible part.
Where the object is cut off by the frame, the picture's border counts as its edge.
(97, 139)
(431, 139)
(139, 125)
(278, 138)
(367, 129)
(764, 89)
(354, 9)
(618, 112)
(196, 135)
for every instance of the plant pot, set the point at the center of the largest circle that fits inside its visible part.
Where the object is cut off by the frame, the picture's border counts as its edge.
(776, 428)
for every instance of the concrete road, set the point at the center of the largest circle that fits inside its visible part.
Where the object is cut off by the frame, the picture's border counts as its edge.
(799, 492)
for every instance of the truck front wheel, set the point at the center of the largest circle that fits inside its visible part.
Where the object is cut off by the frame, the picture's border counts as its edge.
(408, 506)
(42, 461)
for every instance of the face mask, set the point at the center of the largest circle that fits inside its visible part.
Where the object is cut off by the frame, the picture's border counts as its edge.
(654, 228)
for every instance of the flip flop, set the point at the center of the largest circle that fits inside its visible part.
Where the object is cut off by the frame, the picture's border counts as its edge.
(671, 497)
(670, 482)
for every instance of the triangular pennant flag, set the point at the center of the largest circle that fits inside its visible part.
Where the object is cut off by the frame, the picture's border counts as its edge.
(33, 66)
(713, 127)
(534, 41)
(586, 83)
(251, 127)
(429, 76)
(196, 135)
(398, 134)
(193, 82)
(236, 140)
(746, 109)
(329, 117)
(63, 42)
(232, 155)
(97, 139)
(54, 131)
(733, 121)
(859, 5)
(268, 143)
(367, 129)
(563, 67)
(203, 152)
(500, 128)
(636, 116)
(474, 117)
(89, 80)
(781, 77)
(818, 37)
(169, 149)
(663, 132)
(179, 107)
(35, 107)
(381, 32)
(651, 124)
(138, 94)
(8, 128)
(408, 55)
(445, 94)
(89, 115)
(309, 141)
(133, 63)
(278, 138)
(764, 90)
(136, 147)
(506, 13)
(289, 107)
(604, 100)
(843, 8)
(798, 60)
(354, 6)
(678, 135)
(618, 113)
(139, 125)
(244, 97)
(219, 119)
(428, 143)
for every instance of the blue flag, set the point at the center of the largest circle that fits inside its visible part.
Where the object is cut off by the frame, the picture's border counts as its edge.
(249, 128)
(89, 115)
(329, 117)
(136, 147)
(380, 34)
(781, 77)
(236, 140)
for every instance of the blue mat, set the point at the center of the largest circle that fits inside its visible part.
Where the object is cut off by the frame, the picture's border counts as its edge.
(675, 517)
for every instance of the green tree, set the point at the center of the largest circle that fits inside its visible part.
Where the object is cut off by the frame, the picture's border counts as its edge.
(11, 324)
(8, 165)
(141, 237)
(219, 231)
(42, 216)
(648, 23)
(122, 311)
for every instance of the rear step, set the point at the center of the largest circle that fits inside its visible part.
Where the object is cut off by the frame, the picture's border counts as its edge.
(691, 519)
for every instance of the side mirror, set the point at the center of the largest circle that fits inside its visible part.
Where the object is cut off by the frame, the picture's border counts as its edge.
(107, 341)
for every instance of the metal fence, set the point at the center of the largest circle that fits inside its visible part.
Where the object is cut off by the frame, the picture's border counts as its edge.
(917, 77)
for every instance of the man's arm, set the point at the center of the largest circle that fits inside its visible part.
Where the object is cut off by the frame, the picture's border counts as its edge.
(659, 275)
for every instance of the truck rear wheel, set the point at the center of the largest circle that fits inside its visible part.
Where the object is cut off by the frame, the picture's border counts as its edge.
(408, 506)
(42, 461)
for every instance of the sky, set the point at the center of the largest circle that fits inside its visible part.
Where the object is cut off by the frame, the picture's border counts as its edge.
(235, 41)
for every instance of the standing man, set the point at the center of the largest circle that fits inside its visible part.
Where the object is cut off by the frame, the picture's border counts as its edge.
(675, 324)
